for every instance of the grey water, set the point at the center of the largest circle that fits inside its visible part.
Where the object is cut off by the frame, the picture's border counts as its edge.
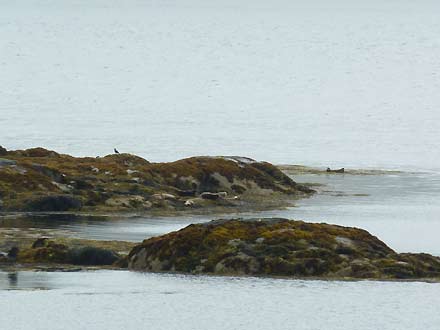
(127, 300)
(340, 83)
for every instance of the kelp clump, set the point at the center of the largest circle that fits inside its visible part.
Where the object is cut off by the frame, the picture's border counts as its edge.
(279, 247)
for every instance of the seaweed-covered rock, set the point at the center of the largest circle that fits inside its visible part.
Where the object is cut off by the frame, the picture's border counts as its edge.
(36, 152)
(278, 247)
(217, 174)
(51, 252)
(43, 180)
(46, 251)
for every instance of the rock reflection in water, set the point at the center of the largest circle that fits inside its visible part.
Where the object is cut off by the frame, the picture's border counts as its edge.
(25, 281)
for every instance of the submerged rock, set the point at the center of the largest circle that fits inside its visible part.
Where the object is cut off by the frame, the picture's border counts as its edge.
(278, 247)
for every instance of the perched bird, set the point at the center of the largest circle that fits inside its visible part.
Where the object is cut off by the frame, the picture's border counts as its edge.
(116, 151)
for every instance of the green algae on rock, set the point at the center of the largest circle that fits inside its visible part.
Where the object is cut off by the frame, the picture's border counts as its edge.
(279, 247)
(40, 180)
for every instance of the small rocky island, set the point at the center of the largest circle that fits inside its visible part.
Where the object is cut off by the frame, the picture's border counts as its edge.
(279, 247)
(40, 180)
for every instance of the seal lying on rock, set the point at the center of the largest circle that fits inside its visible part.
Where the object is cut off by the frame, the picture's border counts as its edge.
(40, 242)
(279, 247)
(10, 256)
(214, 196)
(341, 170)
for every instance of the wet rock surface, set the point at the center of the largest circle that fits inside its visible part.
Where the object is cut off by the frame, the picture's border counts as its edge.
(279, 247)
(40, 180)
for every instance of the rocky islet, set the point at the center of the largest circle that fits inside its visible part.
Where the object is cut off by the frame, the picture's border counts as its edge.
(279, 247)
(40, 180)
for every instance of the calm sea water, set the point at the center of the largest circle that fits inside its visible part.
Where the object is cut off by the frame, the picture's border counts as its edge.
(343, 83)
(124, 300)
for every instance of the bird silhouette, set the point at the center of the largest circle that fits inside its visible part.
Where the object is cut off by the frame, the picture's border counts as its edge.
(116, 151)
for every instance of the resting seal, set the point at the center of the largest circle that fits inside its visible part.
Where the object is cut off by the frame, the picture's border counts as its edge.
(341, 170)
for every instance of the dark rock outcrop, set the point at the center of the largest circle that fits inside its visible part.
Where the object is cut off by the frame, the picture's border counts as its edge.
(3, 151)
(279, 247)
(54, 203)
(213, 196)
(13, 252)
(46, 251)
(93, 256)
